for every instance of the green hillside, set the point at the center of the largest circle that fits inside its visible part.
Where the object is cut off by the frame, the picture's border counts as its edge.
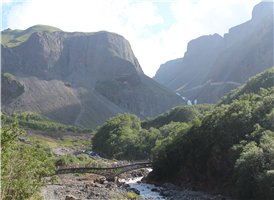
(39, 122)
(253, 85)
(229, 150)
(226, 149)
(13, 38)
(177, 114)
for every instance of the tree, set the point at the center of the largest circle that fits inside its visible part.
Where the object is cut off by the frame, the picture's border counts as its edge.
(22, 168)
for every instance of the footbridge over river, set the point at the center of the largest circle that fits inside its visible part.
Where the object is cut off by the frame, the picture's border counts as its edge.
(118, 169)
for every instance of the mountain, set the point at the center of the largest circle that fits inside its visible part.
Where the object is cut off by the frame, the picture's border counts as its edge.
(214, 65)
(80, 78)
(168, 71)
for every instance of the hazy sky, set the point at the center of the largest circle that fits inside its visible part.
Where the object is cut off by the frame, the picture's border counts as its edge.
(158, 31)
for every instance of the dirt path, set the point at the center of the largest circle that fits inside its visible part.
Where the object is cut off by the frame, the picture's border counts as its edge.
(77, 121)
(48, 192)
(214, 83)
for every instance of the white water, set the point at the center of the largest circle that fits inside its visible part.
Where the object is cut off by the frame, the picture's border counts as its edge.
(144, 188)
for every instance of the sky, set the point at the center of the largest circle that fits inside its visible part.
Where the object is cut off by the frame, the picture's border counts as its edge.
(158, 31)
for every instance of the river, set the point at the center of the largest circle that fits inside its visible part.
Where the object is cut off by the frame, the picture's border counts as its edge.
(145, 191)
(144, 188)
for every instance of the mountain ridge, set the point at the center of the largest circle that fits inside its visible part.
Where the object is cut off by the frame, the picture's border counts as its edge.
(100, 68)
(243, 52)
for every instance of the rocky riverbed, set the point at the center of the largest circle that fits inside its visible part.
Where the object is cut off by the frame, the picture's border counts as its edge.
(93, 186)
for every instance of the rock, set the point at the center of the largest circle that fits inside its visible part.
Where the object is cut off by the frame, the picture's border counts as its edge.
(252, 53)
(135, 190)
(99, 185)
(69, 197)
(127, 185)
(166, 193)
(94, 194)
(100, 179)
(96, 63)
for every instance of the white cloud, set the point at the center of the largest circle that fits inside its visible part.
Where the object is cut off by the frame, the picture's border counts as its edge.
(133, 20)
(7, 2)
(194, 20)
(207, 17)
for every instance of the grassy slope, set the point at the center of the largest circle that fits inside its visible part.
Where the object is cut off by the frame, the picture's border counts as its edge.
(13, 38)
(253, 85)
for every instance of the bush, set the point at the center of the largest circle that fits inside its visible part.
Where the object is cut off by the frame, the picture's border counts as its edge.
(265, 184)
(23, 167)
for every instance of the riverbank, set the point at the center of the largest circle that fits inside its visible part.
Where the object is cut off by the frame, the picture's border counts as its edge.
(93, 186)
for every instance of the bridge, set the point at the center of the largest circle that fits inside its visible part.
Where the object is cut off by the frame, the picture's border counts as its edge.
(117, 170)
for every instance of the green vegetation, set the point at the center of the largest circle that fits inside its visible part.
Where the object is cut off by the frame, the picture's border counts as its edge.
(67, 159)
(119, 136)
(84, 174)
(228, 147)
(65, 142)
(39, 122)
(9, 77)
(253, 85)
(132, 195)
(177, 114)
(12, 95)
(23, 167)
(107, 85)
(238, 135)
(123, 137)
(13, 38)
(67, 84)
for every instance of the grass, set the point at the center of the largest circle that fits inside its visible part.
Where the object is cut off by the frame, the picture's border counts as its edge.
(10, 77)
(70, 143)
(132, 195)
(65, 142)
(37, 121)
(84, 174)
(14, 38)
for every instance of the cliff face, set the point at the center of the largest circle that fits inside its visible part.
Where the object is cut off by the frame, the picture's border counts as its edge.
(10, 88)
(105, 77)
(168, 71)
(214, 65)
(198, 59)
(248, 57)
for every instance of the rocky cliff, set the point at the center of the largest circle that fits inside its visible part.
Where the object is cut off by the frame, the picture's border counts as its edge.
(214, 65)
(82, 78)
(11, 88)
(168, 71)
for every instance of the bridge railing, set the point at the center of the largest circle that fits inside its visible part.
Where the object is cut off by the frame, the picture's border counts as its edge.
(100, 167)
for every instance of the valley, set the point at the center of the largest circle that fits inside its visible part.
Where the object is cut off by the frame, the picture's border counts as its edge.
(79, 103)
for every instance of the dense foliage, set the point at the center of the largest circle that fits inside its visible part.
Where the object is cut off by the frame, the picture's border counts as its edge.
(177, 114)
(23, 167)
(228, 147)
(253, 85)
(123, 137)
(238, 135)
(40, 122)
